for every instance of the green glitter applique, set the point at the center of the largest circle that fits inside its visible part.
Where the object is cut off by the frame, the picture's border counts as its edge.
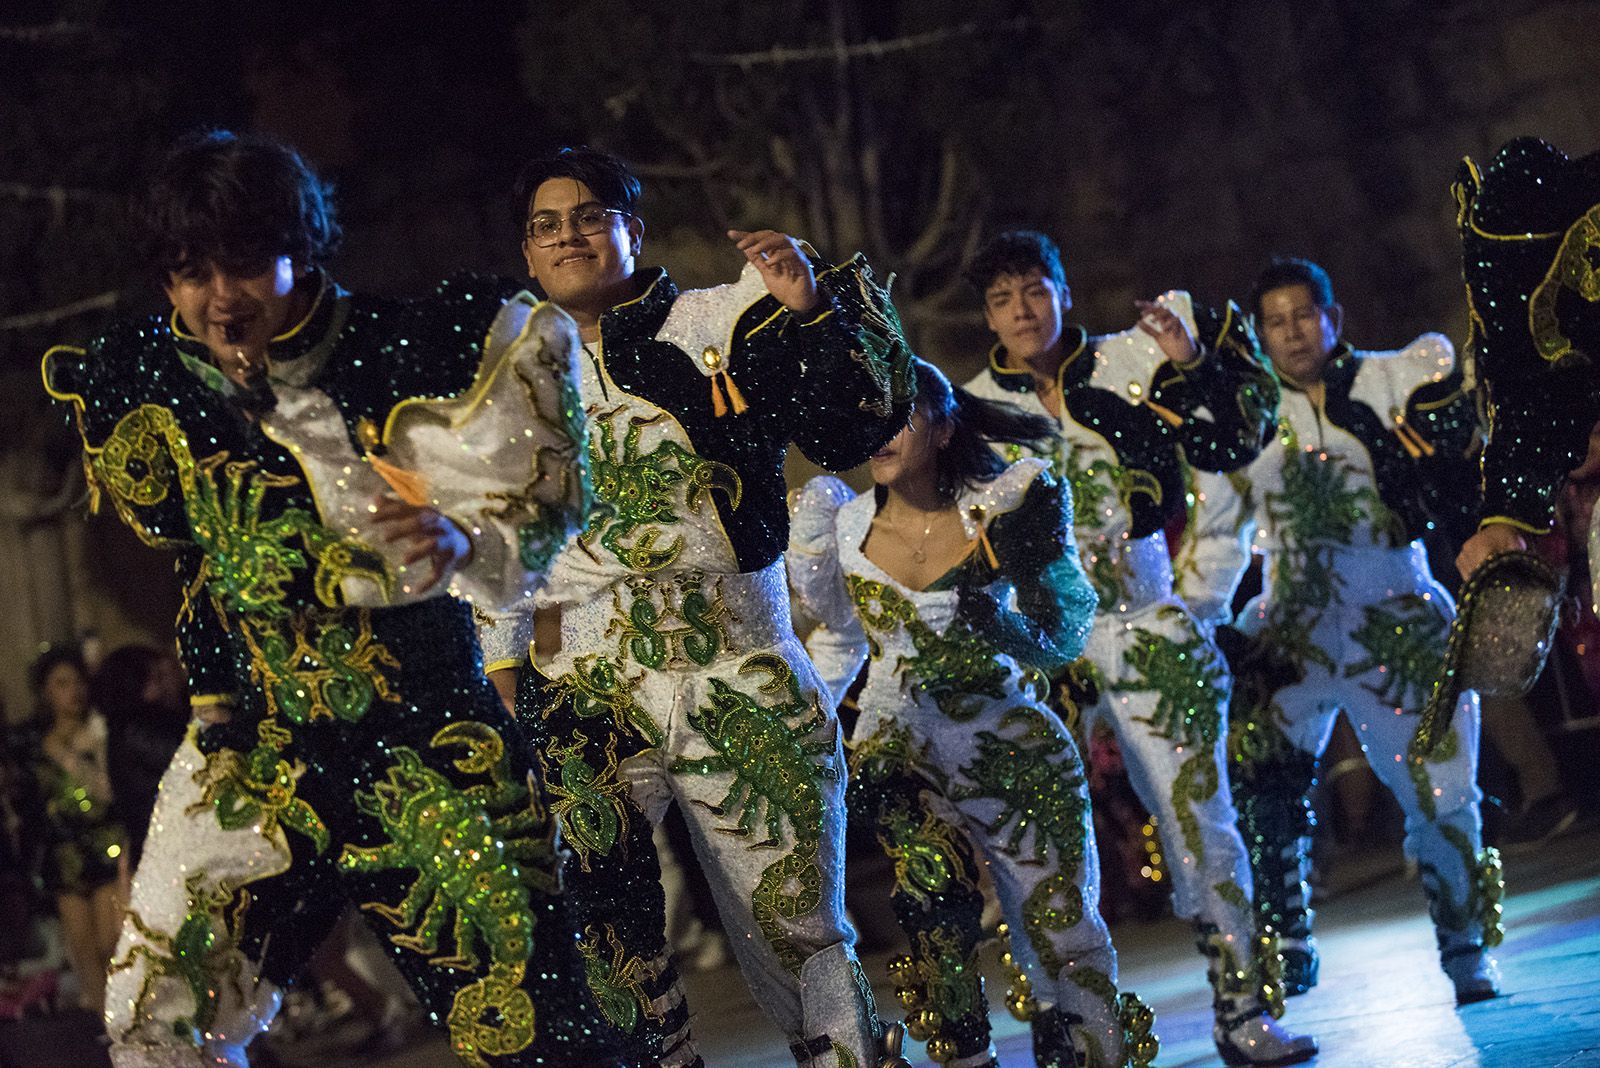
(467, 847)
(248, 559)
(925, 854)
(1188, 681)
(1041, 914)
(1040, 793)
(670, 623)
(1405, 638)
(591, 805)
(259, 789)
(641, 492)
(616, 980)
(1195, 782)
(597, 688)
(190, 955)
(336, 677)
(775, 777)
(956, 670)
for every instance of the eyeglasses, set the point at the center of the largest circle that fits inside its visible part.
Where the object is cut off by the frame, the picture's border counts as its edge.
(587, 220)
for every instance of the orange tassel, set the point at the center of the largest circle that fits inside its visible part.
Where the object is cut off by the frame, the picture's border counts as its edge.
(407, 485)
(719, 407)
(976, 514)
(1168, 414)
(734, 396)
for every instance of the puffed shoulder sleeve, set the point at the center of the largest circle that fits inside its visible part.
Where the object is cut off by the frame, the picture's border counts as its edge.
(837, 645)
(506, 459)
(1054, 603)
(1227, 398)
(856, 380)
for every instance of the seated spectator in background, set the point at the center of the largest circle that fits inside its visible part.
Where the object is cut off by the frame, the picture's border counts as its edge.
(141, 693)
(64, 748)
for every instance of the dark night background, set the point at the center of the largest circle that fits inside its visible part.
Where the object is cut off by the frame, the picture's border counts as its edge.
(1164, 144)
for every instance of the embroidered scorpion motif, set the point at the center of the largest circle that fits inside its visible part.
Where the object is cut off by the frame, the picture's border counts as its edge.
(1038, 792)
(1189, 684)
(1406, 637)
(597, 688)
(468, 847)
(259, 788)
(956, 670)
(640, 490)
(775, 776)
(248, 559)
(926, 856)
(338, 677)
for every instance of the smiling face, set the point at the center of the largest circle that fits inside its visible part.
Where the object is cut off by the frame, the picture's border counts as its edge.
(237, 307)
(1298, 334)
(911, 455)
(1024, 311)
(585, 272)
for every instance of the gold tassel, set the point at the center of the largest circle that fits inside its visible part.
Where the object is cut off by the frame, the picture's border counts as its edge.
(407, 485)
(719, 407)
(734, 396)
(1168, 414)
(982, 539)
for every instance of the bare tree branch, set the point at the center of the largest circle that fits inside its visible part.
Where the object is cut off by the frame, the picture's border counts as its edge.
(29, 320)
(838, 52)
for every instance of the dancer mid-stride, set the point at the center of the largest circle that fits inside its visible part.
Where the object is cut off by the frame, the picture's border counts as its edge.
(954, 757)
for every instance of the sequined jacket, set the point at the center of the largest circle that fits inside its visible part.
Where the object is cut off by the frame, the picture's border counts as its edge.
(1381, 462)
(267, 515)
(1018, 601)
(693, 399)
(1130, 422)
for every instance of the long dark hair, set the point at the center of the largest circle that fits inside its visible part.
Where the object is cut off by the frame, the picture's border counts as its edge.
(968, 459)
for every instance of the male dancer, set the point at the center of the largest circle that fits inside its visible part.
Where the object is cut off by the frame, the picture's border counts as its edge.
(679, 677)
(1129, 407)
(1369, 455)
(352, 751)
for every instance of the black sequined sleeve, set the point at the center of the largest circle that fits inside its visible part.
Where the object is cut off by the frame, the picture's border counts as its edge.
(1038, 558)
(1227, 399)
(434, 346)
(1538, 431)
(855, 383)
(1446, 419)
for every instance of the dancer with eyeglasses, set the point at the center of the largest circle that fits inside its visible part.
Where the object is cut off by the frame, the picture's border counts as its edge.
(679, 677)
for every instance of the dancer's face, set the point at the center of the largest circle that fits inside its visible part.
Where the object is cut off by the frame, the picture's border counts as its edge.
(240, 307)
(1298, 334)
(911, 455)
(589, 271)
(1024, 311)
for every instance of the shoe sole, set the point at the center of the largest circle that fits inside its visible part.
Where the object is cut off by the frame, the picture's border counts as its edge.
(1233, 1057)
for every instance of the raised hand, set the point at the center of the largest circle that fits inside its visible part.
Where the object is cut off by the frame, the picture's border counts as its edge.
(1169, 330)
(783, 267)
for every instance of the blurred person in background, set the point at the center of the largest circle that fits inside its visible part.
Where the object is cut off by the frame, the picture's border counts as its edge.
(65, 752)
(141, 693)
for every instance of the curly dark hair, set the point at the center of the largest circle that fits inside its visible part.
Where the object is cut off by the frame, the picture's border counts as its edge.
(606, 175)
(967, 459)
(1291, 271)
(1016, 252)
(235, 200)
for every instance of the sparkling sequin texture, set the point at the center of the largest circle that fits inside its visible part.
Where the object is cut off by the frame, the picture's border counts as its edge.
(327, 699)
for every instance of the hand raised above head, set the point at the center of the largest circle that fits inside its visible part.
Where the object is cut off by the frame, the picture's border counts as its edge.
(784, 268)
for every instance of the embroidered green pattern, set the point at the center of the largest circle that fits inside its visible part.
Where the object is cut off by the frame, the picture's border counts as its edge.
(1189, 683)
(591, 805)
(1196, 781)
(248, 559)
(670, 622)
(1040, 788)
(1404, 637)
(642, 493)
(475, 850)
(770, 751)
(925, 854)
(259, 788)
(956, 670)
(337, 676)
(1042, 913)
(616, 979)
(202, 951)
(597, 688)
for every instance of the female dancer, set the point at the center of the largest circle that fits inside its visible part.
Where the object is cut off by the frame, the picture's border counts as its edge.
(959, 578)
(83, 840)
